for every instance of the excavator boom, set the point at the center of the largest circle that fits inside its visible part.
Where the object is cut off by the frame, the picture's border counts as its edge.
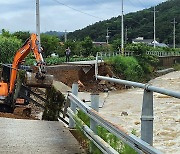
(40, 79)
(31, 44)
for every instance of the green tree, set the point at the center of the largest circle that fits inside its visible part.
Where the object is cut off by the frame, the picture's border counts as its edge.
(87, 47)
(116, 45)
(50, 44)
(6, 33)
(22, 35)
(139, 48)
(8, 47)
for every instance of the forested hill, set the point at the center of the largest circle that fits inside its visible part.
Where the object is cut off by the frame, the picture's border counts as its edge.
(138, 24)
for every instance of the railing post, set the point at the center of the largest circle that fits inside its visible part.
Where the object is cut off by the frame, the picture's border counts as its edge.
(101, 56)
(95, 106)
(147, 117)
(73, 105)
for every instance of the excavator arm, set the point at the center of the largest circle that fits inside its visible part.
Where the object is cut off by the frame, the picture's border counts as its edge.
(32, 44)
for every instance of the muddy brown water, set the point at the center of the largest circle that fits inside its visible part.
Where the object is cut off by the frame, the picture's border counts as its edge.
(166, 112)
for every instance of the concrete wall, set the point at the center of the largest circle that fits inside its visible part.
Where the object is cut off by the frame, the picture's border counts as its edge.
(168, 61)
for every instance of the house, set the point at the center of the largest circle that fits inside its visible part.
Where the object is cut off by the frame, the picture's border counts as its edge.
(148, 42)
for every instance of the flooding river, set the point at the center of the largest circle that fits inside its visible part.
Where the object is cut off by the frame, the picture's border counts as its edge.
(166, 112)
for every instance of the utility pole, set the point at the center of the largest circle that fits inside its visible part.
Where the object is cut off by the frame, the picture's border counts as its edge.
(174, 33)
(122, 30)
(65, 36)
(38, 21)
(126, 38)
(107, 36)
(154, 27)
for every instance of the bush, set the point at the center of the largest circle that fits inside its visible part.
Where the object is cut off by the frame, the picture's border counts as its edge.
(55, 101)
(8, 48)
(128, 67)
(110, 138)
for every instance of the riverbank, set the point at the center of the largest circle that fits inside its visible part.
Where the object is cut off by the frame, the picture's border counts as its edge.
(166, 112)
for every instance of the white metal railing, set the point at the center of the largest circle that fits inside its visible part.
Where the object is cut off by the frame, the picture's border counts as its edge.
(163, 53)
(131, 53)
(96, 119)
(147, 106)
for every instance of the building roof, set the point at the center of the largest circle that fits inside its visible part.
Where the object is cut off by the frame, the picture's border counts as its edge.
(148, 41)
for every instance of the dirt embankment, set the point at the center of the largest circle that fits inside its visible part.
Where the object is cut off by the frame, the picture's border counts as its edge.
(69, 74)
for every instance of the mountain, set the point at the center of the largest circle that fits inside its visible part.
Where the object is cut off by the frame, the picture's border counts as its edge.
(58, 34)
(138, 24)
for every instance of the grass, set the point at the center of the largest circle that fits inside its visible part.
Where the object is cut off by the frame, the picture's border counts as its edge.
(128, 67)
(115, 142)
(177, 67)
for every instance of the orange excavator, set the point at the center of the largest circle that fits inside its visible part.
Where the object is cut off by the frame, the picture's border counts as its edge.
(9, 74)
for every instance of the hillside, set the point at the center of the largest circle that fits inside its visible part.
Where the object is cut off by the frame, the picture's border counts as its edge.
(58, 34)
(138, 24)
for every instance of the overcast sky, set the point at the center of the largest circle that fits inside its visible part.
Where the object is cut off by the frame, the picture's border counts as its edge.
(20, 15)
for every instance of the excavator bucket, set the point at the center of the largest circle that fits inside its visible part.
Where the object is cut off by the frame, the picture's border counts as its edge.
(32, 81)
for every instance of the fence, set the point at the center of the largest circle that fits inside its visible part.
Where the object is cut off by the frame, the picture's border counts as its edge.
(163, 53)
(131, 53)
(141, 145)
(136, 143)
(147, 106)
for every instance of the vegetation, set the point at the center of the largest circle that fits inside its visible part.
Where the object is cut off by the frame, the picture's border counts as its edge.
(127, 67)
(116, 143)
(8, 46)
(55, 101)
(138, 24)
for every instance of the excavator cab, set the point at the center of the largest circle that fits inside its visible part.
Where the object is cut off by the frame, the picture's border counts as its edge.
(6, 71)
(5, 78)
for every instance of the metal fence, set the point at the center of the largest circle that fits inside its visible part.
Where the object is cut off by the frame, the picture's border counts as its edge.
(131, 53)
(96, 119)
(141, 145)
(147, 106)
(163, 53)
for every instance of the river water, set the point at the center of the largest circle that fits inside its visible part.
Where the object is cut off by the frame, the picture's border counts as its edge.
(124, 108)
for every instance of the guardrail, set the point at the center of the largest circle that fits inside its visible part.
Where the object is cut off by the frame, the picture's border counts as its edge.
(95, 119)
(147, 106)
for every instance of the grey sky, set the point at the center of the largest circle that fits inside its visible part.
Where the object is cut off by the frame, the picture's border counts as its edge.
(16, 15)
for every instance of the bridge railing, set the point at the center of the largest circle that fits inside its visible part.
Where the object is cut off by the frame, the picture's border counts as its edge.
(163, 53)
(96, 119)
(131, 53)
(147, 105)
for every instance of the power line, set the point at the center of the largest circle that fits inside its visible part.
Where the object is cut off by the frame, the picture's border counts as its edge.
(78, 10)
(142, 4)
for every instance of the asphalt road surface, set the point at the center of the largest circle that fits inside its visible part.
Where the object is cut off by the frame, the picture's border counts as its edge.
(19, 136)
